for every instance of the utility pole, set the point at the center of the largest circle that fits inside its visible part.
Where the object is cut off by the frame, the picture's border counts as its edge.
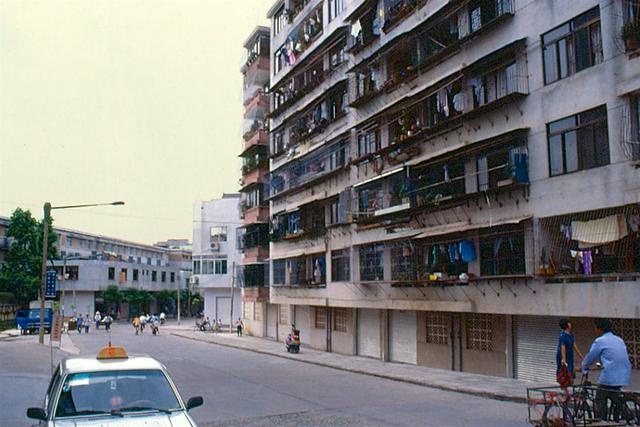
(179, 290)
(45, 247)
(233, 277)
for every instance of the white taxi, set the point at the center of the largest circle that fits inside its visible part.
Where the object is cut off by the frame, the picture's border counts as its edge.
(113, 389)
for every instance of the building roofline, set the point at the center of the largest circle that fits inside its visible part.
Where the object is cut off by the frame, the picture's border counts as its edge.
(274, 8)
(258, 30)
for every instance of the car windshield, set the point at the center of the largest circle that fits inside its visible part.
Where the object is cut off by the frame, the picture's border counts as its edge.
(116, 393)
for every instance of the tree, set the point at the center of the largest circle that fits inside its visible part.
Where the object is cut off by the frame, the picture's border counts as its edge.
(112, 295)
(136, 298)
(20, 274)
(166, 300)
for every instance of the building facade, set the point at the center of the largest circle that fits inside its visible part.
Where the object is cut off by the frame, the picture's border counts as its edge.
(89, 263)
(449, 178)
(254, 208)
(216, 256)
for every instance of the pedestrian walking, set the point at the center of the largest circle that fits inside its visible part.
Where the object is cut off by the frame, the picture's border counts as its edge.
(107, 322)
(565, 373)
(143, 322)
(616, 367)
(86, 323)
(239, 326)
(136, 324)
(97, 318)
(79, 323)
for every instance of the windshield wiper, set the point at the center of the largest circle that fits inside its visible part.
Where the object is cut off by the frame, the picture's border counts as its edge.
(138, 409)
(92, 412)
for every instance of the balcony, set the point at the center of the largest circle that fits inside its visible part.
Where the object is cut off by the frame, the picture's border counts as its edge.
(364, 31)
(319, 164)
(592, 246)
(257, 107)
(364, 88)
(255, 214)
(252, 129)
(259, 160)
(256, 176)
(301, 37)
(397, 11)
(259, 138)
(307, 271)
(307, 222)
(287, 94)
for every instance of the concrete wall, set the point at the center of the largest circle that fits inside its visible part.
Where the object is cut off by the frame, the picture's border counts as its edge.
(223, 296)
(84, 303)
(487, 362)
(431, 355)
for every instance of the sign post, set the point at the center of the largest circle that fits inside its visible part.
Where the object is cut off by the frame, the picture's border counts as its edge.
(50, 284)
(56, 334)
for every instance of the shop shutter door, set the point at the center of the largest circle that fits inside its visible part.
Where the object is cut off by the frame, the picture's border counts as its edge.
(272, 320)
(369, 332)
(402, 336)
(303, 323)
(536, 343)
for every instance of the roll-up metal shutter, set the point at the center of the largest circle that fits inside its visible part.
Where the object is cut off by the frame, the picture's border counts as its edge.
(536, 343)
(369, 332)
(403, 338)
(272, 320)
(303, 322)
(223, 309)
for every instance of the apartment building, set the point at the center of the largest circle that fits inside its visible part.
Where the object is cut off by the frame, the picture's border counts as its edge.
(216, 257)
(449, 178)
(88, 263)
(253, 236)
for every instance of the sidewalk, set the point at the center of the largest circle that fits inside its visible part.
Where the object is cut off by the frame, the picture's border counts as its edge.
(479, 385)
(9, 333)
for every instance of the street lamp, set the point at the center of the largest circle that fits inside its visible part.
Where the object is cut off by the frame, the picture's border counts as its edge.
(45, 246)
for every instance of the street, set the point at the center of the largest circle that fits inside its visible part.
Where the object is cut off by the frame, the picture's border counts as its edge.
(245, 388)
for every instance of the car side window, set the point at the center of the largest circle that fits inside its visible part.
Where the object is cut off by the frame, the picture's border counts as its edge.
(53, 385)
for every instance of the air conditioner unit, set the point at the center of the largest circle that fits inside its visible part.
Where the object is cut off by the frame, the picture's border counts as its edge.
(215, 246)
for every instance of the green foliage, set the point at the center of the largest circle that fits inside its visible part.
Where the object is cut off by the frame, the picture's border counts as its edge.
(165, 298)
(20, 274)
(112, 294)
(136, 296)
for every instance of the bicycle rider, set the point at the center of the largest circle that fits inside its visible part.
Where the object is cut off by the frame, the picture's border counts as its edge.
(616, 367)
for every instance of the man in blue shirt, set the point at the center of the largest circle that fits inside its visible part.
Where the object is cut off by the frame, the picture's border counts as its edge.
(566, 348)
(616, 367)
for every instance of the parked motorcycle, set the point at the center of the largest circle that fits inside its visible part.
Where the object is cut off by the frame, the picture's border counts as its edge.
(292, 343)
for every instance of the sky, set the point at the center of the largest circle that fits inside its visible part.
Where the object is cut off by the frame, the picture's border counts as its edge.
(106, 100)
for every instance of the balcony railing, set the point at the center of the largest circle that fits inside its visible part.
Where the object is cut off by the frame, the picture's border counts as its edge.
(398, 11)
(287, 97)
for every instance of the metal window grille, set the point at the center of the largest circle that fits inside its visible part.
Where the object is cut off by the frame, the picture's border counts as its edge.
(320, 321)
(371, 262)
(340, 319)
(438, 328)
(283, 314)
(340, 266)
(479, 332)
(629, 331)
(246, 312)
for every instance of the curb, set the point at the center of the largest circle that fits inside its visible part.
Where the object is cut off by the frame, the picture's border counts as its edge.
(483, 394)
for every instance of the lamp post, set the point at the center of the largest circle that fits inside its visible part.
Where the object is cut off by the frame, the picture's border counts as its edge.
(45, 246)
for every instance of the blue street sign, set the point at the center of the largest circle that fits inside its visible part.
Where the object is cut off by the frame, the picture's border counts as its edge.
(50, 284)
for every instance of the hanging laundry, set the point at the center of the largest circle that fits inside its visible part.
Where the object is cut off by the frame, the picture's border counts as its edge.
(356, 29)
(467, 251)
(599, 231)
(445, 170)
(587, 261)
(452, 252)
(633, 220)
(566, 231)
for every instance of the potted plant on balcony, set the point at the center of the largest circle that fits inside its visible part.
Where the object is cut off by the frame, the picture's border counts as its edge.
(631, 34)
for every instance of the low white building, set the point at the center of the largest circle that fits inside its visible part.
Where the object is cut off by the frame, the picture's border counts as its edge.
(216, 256)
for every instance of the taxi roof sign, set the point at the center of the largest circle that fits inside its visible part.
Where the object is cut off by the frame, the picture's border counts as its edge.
(112, 353)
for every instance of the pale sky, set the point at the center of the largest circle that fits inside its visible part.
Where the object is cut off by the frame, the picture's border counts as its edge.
(108, 100)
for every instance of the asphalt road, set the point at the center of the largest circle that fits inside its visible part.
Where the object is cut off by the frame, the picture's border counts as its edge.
(242, 388)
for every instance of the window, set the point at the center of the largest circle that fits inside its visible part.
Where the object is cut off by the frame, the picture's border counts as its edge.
(69, 241)
(629, 331)
(135, 274)
(220, 266)
(338, 54)
(163, 276)
(112, 273)
(340, 266)
(502, 254)
(368, 142)
(279, 271)
(320, 318)
(279, 21)
(123, 275)
(246, 310)
(334, 211)
(218, 234)
(283, 314)
(502, 166)
(572, 47)
(479, 332)
(257, 311)
(578, 142)
(438, 328)
(154, 275)
(335, 8)
(371, 259)
(196, 267)
(172, 277)
(340, 319)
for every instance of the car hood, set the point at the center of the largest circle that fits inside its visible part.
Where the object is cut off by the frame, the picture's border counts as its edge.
(177, 419)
